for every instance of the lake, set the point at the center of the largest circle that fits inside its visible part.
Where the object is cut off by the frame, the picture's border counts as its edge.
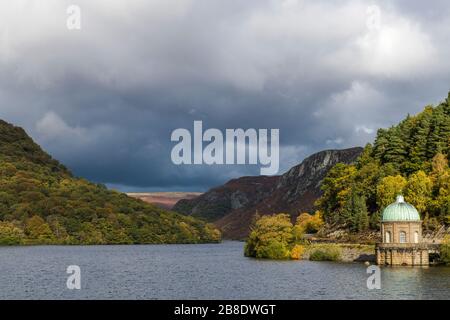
(203, 271)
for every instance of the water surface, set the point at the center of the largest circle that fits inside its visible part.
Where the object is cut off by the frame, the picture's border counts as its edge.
(205, 271)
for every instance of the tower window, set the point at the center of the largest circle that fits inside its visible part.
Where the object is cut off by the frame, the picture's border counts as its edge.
(387, 237)
(416, 237)
(402, 237)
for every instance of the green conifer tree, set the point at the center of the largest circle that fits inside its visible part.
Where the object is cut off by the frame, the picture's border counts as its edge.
(355, 212)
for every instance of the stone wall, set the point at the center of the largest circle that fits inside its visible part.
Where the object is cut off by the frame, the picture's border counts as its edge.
(348, 252)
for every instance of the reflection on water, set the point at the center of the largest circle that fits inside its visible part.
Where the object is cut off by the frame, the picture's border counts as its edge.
(209, 271)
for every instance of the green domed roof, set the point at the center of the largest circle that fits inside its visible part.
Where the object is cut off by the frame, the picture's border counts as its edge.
(400, 211)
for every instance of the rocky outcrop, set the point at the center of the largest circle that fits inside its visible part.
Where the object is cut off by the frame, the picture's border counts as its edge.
(232, 206)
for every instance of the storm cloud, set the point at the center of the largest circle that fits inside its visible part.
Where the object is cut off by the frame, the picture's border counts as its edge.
(105, 99)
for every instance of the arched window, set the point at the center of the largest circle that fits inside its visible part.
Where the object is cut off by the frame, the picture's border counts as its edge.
(416, 237)
(387, 237)
(402, 237)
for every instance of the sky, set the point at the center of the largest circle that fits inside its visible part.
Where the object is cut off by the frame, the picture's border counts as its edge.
(104, 99)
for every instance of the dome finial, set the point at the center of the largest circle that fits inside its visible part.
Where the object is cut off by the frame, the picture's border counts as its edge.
(400, 199)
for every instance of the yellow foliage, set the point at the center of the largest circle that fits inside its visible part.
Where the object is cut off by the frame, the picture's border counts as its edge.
(272, 237)
(297, 252)
(309, 223)
(388, 188)
(418, 190)
(439, 164)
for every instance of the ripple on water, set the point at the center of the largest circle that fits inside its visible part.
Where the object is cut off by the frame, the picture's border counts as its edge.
(206, 271)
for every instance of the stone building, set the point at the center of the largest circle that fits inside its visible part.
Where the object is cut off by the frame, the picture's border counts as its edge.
(401, 230)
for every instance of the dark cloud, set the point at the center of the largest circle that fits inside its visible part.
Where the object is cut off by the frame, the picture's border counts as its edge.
(105, 99)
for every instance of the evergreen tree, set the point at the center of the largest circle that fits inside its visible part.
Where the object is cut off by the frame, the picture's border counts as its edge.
(355, 212)
(396, 148)
(419, 140)
(381, 144)
(335, 187)
(366, 157)
(439, 132)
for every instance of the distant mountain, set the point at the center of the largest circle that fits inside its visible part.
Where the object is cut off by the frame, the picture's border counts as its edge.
(164, 200)
(41, 202)
(232, 205)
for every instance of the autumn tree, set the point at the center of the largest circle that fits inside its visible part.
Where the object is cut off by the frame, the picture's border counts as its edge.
(388, 188)
(10, 234)
(418, 190)
(37, 229)
(308, 223)
(274, 237)
(335, 187)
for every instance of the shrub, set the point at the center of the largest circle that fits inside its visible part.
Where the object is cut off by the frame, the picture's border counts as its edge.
(273, 250)
(297, 252)
(10, 234)
(325, 253)
(270, 238)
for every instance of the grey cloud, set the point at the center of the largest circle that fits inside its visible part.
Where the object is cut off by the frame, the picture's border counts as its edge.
(105, 99)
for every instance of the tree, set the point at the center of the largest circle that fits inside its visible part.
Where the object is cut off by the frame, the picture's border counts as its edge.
(375, 220)
(418, 190)
(396, 148)
(439, 164)
(388, 188)
(365, 157)
(355, 212)
(440, 175)
(90, 235)
(366, 180)
(439, 132)
(445, 250)
(307, 223)
(10, 234)
(272, 237)
(58, 229)
(381, 144)
(410, 158)
(37, 229)
(335, 187)
(419, 139)
(273, 249)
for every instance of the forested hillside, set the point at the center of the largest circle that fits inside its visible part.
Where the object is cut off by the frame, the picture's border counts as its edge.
(410, 158)
(42, 203)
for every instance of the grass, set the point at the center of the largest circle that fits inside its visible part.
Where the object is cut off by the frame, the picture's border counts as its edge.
(325, 252)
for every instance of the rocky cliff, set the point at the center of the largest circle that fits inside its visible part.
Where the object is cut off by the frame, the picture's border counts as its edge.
(232, 205)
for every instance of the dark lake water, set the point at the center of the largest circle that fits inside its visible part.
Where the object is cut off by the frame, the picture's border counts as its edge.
(209, 271)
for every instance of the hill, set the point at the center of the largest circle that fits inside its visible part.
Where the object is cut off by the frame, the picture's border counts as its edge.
(41, 202)
(232, 206)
